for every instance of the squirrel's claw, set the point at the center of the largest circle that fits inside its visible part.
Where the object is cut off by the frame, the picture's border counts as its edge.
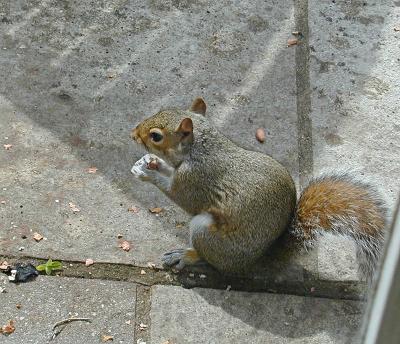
(179, 258)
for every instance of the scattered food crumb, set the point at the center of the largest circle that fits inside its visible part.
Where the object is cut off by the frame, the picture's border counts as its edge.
(119, 236)
(21, 248)
(128, 322)
(292, 41)
(167, 342)
(18, 305)
(142, 326)
(312, 289)
(91, 170)
(57, 201)
(296, 33)
(142, 272)
(2, 290)
(191, 275)
(73, 207)
(140, 341)
(151, 265)
(125, 245)
(260, 135)
(156, 210)
(89, 262)
(228, 288)
(202, 276)
(106, 338)
(37, 236)
(111, 75)
(397, 28)
(134, 210)
(8, 328)
(3, 202)
(7, 146)
(4, 265)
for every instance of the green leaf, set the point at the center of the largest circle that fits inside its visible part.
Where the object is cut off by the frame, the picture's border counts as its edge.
(41, 267)
(48, 270)
(56, 265)
(49, 266)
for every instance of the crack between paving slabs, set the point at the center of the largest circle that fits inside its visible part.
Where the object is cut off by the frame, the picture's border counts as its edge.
(308, 286)
(142, 314)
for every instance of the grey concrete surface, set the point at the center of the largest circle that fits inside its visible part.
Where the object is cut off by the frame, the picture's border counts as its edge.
(238, 317)
(109, 304)
(77, 77)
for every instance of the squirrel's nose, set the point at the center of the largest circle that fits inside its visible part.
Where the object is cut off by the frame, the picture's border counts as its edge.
(135, 135)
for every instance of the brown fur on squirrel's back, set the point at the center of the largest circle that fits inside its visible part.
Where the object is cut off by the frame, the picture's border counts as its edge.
(342, 205)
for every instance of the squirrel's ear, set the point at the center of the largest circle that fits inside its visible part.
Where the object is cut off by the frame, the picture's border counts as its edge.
(199, 106)
(185, 128)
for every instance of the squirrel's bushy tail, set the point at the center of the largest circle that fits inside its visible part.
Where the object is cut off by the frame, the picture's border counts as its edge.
(339, 204)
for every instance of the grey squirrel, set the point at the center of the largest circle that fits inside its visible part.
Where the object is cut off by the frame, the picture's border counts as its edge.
(242, 201)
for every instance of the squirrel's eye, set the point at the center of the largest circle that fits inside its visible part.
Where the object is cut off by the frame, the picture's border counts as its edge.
(156, 137)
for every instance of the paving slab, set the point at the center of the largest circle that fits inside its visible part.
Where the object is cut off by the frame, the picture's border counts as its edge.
(76, 77)
(239, 317)
(354, 104)
(48, 300)
(354, 70)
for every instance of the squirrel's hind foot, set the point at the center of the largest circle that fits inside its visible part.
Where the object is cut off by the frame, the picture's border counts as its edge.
(179, 258)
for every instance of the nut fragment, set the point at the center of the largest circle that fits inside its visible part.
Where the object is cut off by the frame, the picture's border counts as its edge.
(156, 210)
(153, 164)
(8, 328)
(151, 265)
(89, 262)
(133, 209)
(37, 237)
(73, 207)
(260, 135)
(106, 338)
(4, 265)
(125, 245)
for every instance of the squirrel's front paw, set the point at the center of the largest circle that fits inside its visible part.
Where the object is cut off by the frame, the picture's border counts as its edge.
(145, 167)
